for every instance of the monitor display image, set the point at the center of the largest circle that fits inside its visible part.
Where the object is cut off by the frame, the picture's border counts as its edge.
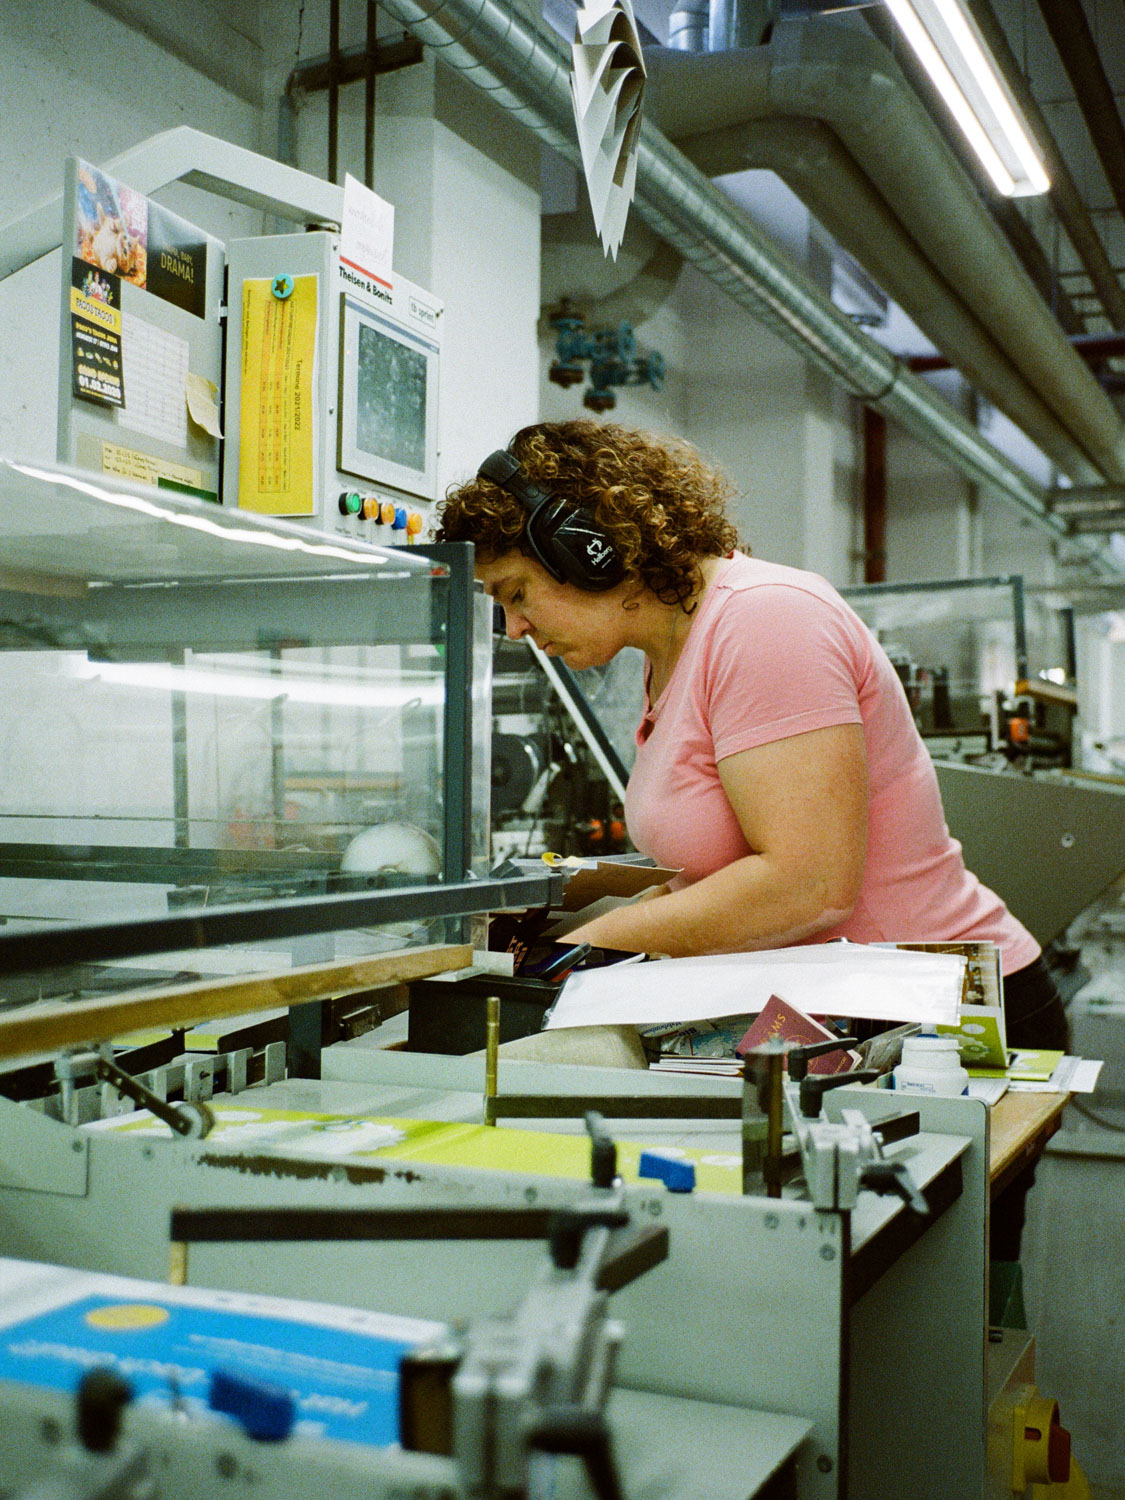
(390, 416)
(388, 401)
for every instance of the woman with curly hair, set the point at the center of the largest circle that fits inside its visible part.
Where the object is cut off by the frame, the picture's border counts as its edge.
(778, 765)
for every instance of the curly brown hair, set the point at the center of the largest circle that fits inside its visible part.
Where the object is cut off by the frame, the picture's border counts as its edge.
(659, 503)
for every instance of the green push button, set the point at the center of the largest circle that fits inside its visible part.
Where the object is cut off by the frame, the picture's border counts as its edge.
(350, 503)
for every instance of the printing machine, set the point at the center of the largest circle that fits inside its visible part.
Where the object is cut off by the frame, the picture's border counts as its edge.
(838, 1317)
(821, 1336)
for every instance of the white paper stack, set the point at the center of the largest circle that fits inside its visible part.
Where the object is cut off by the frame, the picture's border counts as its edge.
(828, 979)
(607, 82)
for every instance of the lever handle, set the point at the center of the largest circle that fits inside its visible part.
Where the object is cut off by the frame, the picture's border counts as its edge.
(892, 1177)
(816, 1085)
(800, 1057)
(569, 1227)
(603, 1151)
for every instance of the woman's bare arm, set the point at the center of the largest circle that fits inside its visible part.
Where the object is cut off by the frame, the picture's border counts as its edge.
(802, 805)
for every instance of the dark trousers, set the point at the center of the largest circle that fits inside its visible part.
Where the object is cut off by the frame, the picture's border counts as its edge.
(1035, 1017)
(1033, 1009)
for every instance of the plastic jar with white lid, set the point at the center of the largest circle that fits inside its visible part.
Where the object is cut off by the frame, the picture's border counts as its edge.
(931, 1065)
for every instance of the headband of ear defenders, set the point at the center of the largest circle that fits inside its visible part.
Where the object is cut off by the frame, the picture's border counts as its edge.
(567, 542)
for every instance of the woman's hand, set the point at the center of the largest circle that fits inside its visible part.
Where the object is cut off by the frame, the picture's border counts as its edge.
(802, 806)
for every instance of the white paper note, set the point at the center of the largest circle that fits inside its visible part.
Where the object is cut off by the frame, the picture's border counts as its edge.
(1074, 1075)
(155, 369)
(827, 979)
(367, 233)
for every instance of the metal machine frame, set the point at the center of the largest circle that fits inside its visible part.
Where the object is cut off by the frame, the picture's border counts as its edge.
(851, 1319)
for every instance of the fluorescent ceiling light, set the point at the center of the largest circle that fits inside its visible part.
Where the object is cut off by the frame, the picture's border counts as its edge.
(952, 51)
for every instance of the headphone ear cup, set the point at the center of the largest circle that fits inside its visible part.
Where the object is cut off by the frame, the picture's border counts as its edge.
(574, 547)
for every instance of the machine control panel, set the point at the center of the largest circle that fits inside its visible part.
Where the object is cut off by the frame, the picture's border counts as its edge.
(332, 387)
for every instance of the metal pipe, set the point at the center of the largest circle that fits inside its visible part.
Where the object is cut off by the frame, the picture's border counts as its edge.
(597, 289)
(1089, 500)
(1003, 210)
(826, 71)
(737, 23)
(369, 96)
(810, 158)
(1034, 260)
(689, 26)
(333, 89)
(874, 496)
(524, 67)
(1070, 31)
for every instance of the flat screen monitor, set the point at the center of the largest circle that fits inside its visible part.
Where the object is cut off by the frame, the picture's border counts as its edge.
(388, 401)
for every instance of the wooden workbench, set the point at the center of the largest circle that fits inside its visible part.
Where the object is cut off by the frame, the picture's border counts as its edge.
(1020, 1125)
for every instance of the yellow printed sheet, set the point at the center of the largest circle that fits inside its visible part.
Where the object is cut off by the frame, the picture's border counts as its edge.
(366, 1138)
(276, 452)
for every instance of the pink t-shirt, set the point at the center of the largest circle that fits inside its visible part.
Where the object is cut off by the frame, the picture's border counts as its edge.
(775, 652)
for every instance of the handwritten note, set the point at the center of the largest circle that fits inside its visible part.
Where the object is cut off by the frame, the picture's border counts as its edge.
(367, 233)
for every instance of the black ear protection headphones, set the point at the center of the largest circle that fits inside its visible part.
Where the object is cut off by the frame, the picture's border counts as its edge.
(568, 543)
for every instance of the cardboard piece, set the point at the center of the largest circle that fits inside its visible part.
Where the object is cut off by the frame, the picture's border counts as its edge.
(611, 878)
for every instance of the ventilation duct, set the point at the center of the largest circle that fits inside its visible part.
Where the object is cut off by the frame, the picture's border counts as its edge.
(808, 156)
(630, 289)
(689, 26)
(895, 196)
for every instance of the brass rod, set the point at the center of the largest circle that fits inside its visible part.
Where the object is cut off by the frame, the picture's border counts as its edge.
(491, 1056)
(177, 1262)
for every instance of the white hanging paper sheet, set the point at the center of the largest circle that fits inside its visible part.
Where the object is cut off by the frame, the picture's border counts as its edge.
(825, 979)
(367, 233)
(607, 82)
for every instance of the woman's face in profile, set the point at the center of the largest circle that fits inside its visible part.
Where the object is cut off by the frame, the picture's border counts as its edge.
(584, 629)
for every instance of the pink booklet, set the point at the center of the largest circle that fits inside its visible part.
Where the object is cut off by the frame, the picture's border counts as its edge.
(785, 1021)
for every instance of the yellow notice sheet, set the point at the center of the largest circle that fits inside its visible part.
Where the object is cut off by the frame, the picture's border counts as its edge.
(275, 463)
